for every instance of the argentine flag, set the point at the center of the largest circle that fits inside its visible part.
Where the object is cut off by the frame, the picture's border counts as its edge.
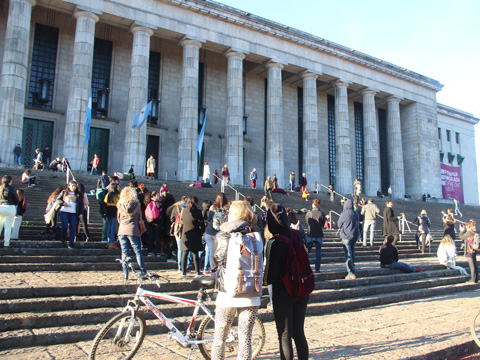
(89, 119)
(142, 116)
(200, 137)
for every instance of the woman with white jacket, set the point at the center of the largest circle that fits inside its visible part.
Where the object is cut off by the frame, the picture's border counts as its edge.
(446, 254)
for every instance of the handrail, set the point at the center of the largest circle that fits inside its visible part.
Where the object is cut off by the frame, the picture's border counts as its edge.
(330, 217)
(68, 172)
(237, 193)
(326, 187)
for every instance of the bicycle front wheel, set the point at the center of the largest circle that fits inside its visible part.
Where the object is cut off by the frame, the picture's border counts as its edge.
(475, 327)
(207, 330)
(120, 338)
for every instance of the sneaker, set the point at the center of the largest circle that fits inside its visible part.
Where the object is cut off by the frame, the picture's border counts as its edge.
(171, 260)
(151, 254)
(350, 277)
(113, 246)
(419, 269)
(183, 275)
(70, 247)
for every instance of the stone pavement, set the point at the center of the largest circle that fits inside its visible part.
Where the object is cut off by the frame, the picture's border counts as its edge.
(422, 329)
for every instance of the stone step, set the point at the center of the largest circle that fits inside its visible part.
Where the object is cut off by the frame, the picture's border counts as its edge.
(100, 266)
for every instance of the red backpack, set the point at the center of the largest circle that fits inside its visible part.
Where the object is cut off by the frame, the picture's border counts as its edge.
(299, 279)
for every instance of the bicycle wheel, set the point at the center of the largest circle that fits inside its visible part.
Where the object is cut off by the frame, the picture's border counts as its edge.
(207, 330)
(475, 327)
(120, 338)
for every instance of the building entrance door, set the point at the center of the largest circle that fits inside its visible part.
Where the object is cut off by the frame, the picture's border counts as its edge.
(98, 144)
(152, 149)
(36, 135)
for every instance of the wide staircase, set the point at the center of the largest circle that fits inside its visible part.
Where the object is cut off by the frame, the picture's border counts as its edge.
(54, 295)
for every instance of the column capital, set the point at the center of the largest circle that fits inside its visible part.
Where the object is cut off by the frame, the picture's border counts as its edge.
(233, 53)
(80, 13)
(393, 99)
(273, 65)
(340, 83)
(190, 42)
(368, 92)
(138, 28)
(32, 2)
(308, 75)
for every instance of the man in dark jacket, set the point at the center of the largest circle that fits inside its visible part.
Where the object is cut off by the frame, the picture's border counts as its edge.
(390, 226)
(315, 220)
(348, 225)
(389, 258)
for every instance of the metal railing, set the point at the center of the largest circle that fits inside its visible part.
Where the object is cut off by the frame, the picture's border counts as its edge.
(335, 192)
(237, 193)
(330, 217)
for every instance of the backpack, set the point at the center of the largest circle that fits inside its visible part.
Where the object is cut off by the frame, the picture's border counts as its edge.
(178, 225)
(152, 212)
(219, 218)
(243, 275)
(474, 242)
(298, 280)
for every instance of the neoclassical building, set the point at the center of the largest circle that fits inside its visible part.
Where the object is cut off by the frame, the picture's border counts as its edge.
(274, 98)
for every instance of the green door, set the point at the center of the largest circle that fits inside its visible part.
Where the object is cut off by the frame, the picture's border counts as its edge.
(98, 144)
(36, 135)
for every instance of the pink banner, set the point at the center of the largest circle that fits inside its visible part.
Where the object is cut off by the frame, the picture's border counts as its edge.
(452, 182)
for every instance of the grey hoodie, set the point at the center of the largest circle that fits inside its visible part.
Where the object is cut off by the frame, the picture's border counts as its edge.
(348, 222)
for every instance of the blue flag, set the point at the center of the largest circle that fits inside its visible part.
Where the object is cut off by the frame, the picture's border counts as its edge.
(142, 116)
(89, 119)
(200, 137)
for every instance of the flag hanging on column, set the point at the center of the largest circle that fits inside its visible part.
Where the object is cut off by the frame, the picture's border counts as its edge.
(200, 137)
(89, 119)
(142, 116)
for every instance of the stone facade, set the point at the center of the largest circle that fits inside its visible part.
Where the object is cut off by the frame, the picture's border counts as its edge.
(251, 69)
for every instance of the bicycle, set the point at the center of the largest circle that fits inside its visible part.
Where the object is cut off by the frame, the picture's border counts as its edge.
(122, 336)
(475, 327)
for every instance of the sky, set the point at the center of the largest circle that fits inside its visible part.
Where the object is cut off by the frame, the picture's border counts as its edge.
(436, 38)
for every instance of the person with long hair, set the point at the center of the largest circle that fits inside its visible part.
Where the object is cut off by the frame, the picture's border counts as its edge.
(288, 312)
(53, 223)
(83, 219)
(241, 219)
(220, 205)
(423, 229)
(129, 213)
(111, 200)
(447, 253)
(71, 201)
(8, 201)
(154, 227)
(449, 227)
(191, 239)
(467, 231)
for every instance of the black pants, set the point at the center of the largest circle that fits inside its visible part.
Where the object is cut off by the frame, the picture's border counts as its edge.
(196, 261)
(154, 237)
(472, 262)
(289, 317)
(83, 222)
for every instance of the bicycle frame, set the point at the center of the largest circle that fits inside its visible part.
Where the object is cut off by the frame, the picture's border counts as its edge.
(184, 340)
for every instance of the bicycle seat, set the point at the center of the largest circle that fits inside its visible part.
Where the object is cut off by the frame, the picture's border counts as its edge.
(207, 281)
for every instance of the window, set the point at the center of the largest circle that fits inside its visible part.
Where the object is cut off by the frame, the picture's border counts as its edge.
(358, 113)
(154, 84)
(331, 138)
(384, 165)
(448, 135)
(201, 84)
(439, 134)
(457, 138)
(300, 128)
(42, 71)
(102, 62)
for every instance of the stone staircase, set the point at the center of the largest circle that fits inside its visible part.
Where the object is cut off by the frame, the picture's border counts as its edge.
(52, 295)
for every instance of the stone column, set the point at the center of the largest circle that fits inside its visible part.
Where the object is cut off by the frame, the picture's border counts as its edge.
(136, 139)
(233, 127)
(343, 148)
(311, 157)
(371, 154)
(394, 146)
(80, 86)
(13, 82)
(187, 128)
(275, 123)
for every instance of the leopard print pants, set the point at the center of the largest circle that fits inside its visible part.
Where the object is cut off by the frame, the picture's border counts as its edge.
(223, 321)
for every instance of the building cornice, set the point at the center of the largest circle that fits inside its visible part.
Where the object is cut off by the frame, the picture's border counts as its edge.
(284, 32)
(457, 114)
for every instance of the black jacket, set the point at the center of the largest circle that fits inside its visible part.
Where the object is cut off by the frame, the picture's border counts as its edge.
(388, 254)
(315, 220)
(79, 202)
(193, 229)
(220, 247)
(8, 196)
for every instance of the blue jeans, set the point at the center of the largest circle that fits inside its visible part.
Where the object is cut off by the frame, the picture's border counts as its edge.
(17, 159)
(128, 243)
(209, 239)
(94, 169)
(292, 185)
(179, 254)
(349, 249)
(68, 219)
(400, 266)
(318, 242)
(111, 229)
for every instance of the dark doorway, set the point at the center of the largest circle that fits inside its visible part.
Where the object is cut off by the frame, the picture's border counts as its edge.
(384, 166)
(98, 144)
(36, 134)
(152, 149)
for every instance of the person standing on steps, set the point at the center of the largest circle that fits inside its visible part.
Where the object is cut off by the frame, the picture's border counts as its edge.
(390, 226)
(467, 232)
(390, 192)
(17, 153)
(292, 181)
(274, 182)
(370, 212)
(303, 182)
(111, 200)
(457, 207)
(206, 173)
(47, 154)
(8, 201)
(225, 174)
(71, 201)
(315, 219)
(348, 225)
(253, 178)
(150, 167)
(95, 162)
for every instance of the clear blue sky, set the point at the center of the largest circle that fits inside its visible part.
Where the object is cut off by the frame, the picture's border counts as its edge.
(438, 39)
